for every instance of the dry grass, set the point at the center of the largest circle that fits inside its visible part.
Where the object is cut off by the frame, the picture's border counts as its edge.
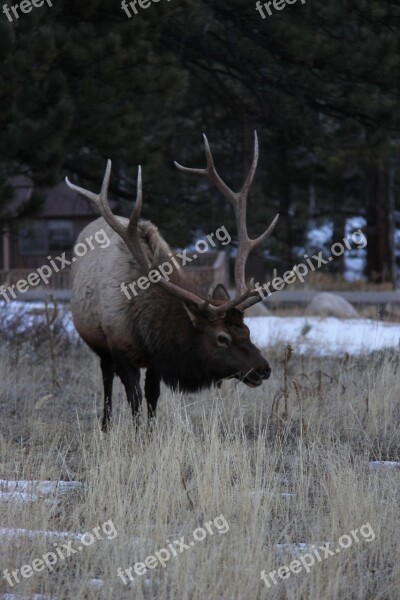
(309, 431)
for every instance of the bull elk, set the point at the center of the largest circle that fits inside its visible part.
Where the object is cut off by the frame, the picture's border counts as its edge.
(178, 336)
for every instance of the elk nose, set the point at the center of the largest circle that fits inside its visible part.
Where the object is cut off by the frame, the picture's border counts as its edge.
(265, 372)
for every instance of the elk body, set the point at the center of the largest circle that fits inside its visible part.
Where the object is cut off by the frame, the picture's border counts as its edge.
(178, 337)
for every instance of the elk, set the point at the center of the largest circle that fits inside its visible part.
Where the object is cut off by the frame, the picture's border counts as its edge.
(179, 337)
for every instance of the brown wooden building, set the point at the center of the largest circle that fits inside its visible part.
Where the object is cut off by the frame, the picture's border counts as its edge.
(65, 214)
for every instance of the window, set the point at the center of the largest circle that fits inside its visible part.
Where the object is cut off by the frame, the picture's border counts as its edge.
(41, 237)
(33, 239)
(60, 235)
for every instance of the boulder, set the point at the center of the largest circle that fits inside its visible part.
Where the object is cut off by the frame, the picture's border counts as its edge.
(331, 305)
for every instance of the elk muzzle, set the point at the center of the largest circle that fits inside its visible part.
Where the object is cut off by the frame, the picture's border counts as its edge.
(256, 376)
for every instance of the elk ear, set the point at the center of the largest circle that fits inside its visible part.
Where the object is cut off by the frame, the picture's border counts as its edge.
(220, 293)
(194, 316)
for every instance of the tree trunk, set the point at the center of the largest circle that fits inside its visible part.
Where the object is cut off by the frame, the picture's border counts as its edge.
(379, 235)
(336, 267)
(285, 216)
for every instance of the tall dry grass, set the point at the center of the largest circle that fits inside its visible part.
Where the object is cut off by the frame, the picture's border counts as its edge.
(285, 463)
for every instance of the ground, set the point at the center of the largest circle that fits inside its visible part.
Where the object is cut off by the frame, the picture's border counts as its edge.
(273, 471)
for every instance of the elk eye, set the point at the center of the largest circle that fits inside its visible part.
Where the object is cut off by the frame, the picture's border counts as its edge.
(223, 340)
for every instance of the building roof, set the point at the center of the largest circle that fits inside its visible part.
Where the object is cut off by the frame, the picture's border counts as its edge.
(60, 200)
(22, 185)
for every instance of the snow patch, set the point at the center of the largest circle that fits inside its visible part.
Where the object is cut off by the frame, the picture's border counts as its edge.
(324, 336)
(31, 491)
(384, 464)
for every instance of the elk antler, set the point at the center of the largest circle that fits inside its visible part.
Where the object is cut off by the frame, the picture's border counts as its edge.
(131, 237)
(245, 295)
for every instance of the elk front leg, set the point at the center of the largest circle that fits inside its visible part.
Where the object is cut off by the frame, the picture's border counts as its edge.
(107, 370)
(130, 377)
(152, 393)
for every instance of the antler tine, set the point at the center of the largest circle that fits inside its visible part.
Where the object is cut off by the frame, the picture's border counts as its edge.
(255, 298)
(93, 197)
(250, 177)
(100, 200)
(219, 312)
(246, 245)
(135, 216)
(106, 183)
(215, 178)
(211, 172)
(103, 205)
(264, 236)
(131, 236)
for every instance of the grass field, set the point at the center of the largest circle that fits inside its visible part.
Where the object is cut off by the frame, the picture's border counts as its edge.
(287, 463)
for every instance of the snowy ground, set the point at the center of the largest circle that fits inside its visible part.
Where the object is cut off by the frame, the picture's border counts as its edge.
(324, 336)
(312, 335)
